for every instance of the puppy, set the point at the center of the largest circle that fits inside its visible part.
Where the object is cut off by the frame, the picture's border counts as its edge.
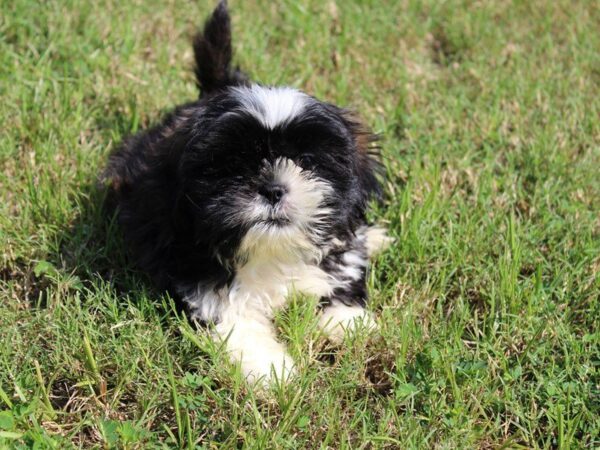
(245, 195)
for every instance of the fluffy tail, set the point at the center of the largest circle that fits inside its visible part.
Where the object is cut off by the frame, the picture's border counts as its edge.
(212, 52)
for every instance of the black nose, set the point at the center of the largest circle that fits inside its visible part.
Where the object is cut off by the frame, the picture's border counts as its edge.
(273, 192)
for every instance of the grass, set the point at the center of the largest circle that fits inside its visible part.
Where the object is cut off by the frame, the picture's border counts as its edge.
(488, 303)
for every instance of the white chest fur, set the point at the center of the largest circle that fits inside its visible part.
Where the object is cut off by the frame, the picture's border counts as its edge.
(259, 288)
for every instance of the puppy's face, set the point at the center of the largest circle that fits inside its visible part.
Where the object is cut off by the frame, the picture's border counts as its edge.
(273, 171)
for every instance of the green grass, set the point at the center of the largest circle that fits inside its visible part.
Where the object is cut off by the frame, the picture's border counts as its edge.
(488, 303)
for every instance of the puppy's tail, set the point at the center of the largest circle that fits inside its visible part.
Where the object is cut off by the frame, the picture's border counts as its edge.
(212, 52)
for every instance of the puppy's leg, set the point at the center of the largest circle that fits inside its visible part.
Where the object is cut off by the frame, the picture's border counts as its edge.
(244, 323)
(344, 310)
(250, 339)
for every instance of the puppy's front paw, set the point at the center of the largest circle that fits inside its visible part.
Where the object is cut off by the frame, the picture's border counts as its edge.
(378, 240)
(253, 345)
(338, 319)
(268, 367)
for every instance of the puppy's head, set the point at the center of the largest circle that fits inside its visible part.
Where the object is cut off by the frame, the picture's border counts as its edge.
(277, 170)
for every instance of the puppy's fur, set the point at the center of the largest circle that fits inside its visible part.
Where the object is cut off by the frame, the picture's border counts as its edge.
(248, 193)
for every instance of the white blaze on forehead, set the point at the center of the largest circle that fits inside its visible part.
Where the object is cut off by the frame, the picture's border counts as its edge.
(272, 106)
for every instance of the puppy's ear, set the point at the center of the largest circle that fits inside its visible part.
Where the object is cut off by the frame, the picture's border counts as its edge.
(368, 166)
(212, 53)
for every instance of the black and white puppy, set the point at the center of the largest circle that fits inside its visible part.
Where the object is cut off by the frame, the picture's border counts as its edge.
(245, 195)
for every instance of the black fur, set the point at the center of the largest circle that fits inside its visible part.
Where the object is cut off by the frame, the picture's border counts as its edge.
(353, 290)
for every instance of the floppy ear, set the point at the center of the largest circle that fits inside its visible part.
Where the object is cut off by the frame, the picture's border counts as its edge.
(212, 54)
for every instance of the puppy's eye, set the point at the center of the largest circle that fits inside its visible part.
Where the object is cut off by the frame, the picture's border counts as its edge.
(306, 160)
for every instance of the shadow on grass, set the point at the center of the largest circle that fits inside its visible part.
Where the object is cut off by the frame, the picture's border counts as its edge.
(92, 246)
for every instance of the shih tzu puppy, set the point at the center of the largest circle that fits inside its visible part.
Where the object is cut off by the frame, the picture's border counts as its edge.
(245, 195)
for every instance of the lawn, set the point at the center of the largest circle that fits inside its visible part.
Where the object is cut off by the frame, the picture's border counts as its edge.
(488, 303)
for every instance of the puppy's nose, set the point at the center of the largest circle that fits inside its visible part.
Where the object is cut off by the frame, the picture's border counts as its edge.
(273, 192)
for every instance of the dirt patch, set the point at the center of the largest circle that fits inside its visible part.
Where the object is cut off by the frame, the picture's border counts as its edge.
(378, 372)
(445, 48)
(380, 366)
(27, 289)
